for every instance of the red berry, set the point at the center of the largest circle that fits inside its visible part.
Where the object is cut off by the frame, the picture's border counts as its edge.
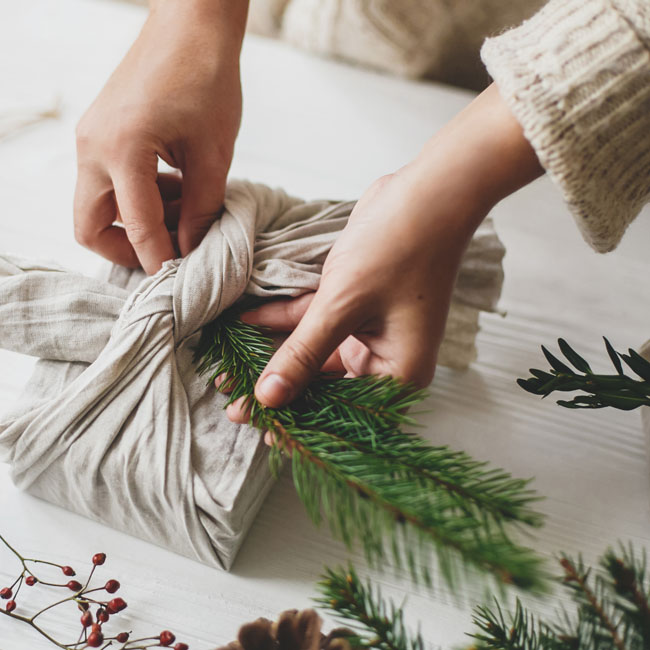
(83, 605)
(112, 586)
(122, 637)
(99, 559)
(6, 593)
(167, 638)
(96, 628)
(181, 646)
(10, 606)
(116, 605)
(30, 581)
(102, 615)
(74, 585)
(95, 639)
(86, 619)
(68, 571)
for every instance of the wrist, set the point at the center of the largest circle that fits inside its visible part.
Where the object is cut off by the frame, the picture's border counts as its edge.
(477, 159)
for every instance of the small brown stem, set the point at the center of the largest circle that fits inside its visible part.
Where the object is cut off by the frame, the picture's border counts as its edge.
(572, 574)
(12, 549)
(90, 575)
(29, 559)
(59, 602)
(287, 442)
(40, 630)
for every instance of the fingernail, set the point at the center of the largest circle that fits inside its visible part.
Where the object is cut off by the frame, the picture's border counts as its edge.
(274, 390)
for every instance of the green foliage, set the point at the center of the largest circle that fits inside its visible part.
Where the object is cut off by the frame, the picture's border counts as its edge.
(617, 390)
(612, 611)
(374, 484)
(522, 632)
(376, 623)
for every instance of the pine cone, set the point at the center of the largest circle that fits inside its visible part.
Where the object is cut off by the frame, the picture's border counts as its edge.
(294, 630)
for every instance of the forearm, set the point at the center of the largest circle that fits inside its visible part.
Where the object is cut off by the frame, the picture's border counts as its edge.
(477, 159)
(216, 24)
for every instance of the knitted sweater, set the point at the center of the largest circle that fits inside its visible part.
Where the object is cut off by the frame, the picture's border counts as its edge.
(577, 78)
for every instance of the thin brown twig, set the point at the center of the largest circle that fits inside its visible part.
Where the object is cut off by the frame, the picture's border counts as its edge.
(572, 574)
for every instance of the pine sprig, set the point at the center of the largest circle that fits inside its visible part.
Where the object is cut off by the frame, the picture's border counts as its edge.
(355, 468)
(377, 623)
(612, 611)
(627, 579)
(522, 632)
(616, 390)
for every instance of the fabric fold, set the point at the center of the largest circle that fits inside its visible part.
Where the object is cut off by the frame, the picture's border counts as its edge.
(116, 425)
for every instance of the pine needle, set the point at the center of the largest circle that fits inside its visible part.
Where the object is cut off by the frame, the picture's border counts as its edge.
(390, 491)
(612, 611)
(377, 623)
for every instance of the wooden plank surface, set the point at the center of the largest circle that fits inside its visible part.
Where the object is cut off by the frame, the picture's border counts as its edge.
(319, 128)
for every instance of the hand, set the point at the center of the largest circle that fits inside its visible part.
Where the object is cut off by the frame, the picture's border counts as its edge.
(177, 96)
(387, 282)
(377, 310)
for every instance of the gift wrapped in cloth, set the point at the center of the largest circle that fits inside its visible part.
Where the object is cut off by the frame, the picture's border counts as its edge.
(115, 424)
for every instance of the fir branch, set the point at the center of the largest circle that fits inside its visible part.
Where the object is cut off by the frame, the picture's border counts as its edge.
(617, 390)
(594, 607)
(627, 578)
(522, 632)
(354, 467)
(612, 611)
(379, 624)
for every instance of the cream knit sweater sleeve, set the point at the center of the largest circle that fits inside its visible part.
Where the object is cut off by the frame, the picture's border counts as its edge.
(577, 77)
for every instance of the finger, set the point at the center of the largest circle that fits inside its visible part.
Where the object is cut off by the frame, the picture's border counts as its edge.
(170, 186)
(222, 384)
(320, 331)
(357, 359)
(95, 211)
(279, 315)
(408, 354)
(204, 181)
(334, 363)
(269, 438)
(172, 214)
(143, 215)
(283, 316)
(238, 411)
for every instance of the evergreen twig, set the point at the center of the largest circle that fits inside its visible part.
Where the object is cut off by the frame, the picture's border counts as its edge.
(612, 611)
(616, 390)
(379, 624)
(354, 467)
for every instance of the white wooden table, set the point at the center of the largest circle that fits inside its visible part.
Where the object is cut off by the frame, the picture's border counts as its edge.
(318, 128)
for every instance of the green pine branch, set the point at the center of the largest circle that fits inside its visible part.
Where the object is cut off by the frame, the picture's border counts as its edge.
(521, 632)
(612, 611)
(355, 468)
(377, 623)
(616, 390)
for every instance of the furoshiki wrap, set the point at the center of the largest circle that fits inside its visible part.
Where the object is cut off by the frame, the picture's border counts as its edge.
(116, 425)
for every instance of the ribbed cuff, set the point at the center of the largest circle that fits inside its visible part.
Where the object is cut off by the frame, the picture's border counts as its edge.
(577, 78)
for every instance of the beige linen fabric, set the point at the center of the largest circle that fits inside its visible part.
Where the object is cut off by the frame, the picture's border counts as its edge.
(116, 425)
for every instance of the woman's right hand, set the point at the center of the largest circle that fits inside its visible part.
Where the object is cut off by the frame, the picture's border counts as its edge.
(387, 282)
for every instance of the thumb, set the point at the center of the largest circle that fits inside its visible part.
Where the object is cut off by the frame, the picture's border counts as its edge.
(304, 352)
(204, 185)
